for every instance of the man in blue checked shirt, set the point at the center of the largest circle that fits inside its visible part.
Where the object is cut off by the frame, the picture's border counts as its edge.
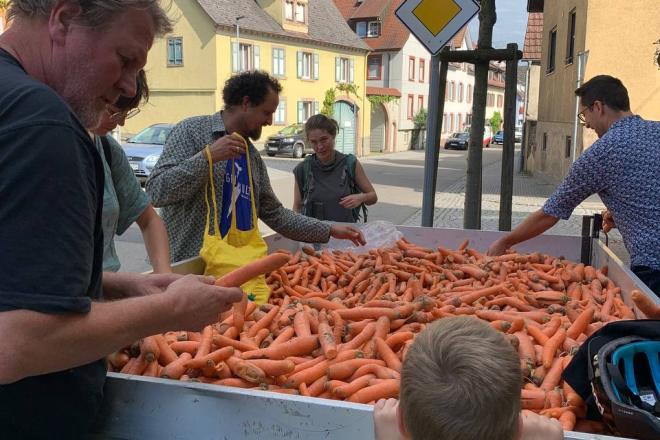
(622, 167)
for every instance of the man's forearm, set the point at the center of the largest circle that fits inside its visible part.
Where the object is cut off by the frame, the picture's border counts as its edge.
(535, 224)
(62, 341)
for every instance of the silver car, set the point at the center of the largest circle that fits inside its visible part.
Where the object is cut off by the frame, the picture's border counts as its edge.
(144, 149)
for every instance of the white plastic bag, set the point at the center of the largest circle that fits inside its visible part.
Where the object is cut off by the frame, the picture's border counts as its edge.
(377, 234)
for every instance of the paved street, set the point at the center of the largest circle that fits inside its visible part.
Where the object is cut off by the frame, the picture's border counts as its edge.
(398, 180)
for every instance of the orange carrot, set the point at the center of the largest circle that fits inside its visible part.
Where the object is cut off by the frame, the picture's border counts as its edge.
(223, 341)
(553, 376)
(150, 348)
(185, 347)
(533, 399)
(211, 359)
(297, 346)
(386, 353)
(567, 420)
(301, 324)
(264, 322)
(345, 391)
(551, 346)
(327, 340)
(245, 370)
(645, 304)
(242, 275)
(274, 367)
(308, 376)
(175, 370)
(383, 390)
(346, 369)
(580, 324)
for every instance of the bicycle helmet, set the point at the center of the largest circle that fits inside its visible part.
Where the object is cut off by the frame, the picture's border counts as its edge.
(625, 381)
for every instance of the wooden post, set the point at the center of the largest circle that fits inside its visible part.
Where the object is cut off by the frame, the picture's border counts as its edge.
(508, 152)
(472, 210)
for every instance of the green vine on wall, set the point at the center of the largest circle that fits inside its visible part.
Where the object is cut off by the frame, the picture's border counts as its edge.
(331, 94)
(381, 99)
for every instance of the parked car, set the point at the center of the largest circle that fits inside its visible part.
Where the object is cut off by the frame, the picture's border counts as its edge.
(290, 141)
(498, 138)
(458, 141)
(518, 135)
(144, 149)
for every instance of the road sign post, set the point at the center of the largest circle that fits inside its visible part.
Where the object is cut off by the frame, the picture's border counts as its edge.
(434, 23)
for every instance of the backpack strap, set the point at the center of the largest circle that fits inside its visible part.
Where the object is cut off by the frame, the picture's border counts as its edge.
(307, 178)
(351, 165)
(107, 151)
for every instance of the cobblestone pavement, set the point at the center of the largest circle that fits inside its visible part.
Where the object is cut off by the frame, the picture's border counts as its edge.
(529, 194)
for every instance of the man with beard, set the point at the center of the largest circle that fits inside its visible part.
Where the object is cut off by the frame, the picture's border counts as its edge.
(61, 63)
(179, 181)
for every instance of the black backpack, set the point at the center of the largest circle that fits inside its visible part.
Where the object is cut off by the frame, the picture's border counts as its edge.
(359, 212)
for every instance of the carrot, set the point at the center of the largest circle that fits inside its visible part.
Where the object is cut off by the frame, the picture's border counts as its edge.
(245, 370)
(551, 346)
(150, 348)
(175, 370)
(384, 390)
(185, 347)
(235, 382)
(308, 375)
(327, 340)
(396, 339)
(118, 359)
(320, 304)
(580, 324)
(301, 324)
(274, 367)
(242, 275)
(264, 322)
(284, 336)
(645, 304)
(567, 420)
(537, 333)
(361, 338)
(211, 359)
(553, 375)
(386, 353)
(223, 341)
(297, 346)
(352, 387)
(571, 396)
(345, 369)
(525, 347)
(533, 399)
(368, 313)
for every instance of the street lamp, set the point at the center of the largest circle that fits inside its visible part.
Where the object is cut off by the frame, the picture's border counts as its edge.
(238, 42)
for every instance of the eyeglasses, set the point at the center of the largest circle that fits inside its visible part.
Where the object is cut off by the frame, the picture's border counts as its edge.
(122, 115)
(580, 115)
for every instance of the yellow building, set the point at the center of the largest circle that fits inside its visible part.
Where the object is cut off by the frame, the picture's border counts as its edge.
(305, 44)
(612, 37)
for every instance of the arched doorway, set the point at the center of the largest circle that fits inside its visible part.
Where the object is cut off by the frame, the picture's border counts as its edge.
(344, 114)
(378, 134)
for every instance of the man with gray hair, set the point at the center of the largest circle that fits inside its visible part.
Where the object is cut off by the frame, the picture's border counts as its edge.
(61, 63)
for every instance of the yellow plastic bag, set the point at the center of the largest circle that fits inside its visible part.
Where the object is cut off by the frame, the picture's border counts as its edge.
(238, 247)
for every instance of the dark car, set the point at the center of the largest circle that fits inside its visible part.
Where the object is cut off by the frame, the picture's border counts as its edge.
(458, 141)
(498, 138)
(143, 150)
(290, 141)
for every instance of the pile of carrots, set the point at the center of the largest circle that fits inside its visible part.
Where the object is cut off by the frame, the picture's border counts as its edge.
(338, 324)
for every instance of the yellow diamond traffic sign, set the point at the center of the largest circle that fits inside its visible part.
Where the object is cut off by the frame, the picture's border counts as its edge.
(435, 22)
(434, 18)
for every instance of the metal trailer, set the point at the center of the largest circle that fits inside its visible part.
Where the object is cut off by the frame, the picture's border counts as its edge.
(151, 408)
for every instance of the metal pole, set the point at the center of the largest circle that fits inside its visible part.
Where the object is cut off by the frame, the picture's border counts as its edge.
(508, 147)
(578, 83)
(523, 140)
(434, 125)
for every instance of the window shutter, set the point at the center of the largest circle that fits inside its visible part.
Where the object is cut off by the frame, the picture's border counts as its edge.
(301, 112)
(316, 65)
(337, 69)
(235, 67)
(300, 64)
(273, 57)
(316, 107)
(256, 58)
(351, 71)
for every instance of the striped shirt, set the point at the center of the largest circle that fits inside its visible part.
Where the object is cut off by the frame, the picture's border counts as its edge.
(623, 168)
(178, 182)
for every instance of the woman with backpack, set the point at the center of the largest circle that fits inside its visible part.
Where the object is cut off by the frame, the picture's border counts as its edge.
(330, 185)
(124, 202)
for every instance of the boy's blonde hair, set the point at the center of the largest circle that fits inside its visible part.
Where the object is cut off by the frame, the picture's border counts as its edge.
(461, 379)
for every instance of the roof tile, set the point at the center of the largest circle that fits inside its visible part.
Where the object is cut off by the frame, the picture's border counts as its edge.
(533, 37)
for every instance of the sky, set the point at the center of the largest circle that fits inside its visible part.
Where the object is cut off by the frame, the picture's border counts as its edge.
(510, 25)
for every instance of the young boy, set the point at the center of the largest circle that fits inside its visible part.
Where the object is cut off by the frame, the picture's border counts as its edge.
(460, 380)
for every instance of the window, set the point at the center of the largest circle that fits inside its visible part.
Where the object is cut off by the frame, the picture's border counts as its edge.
(280, 113)
(373, 29)
(420, 102)
(500, 101)
(444, 123)
(460, 92)
(288, 10)
(422, 70)
(245, 58)
(490, 100)
(374, 67)
(300, 13)
(411, 104)
(344, 70)
(452, 91)
(567, 152)
(468, 119)
(411, 68)
(450, 122)
(308, 65)
(545, 142)
(460, 122)
(468, 97)
(278, 62)
(175, 51)
(361, 28)
(307, 109)
(552, 47)
(570, 41)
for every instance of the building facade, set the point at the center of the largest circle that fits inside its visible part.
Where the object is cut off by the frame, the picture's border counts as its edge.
(611, 37)
(398, 75)
(305, 44)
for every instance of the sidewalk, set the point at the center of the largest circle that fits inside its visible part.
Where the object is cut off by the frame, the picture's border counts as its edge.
(529, 195)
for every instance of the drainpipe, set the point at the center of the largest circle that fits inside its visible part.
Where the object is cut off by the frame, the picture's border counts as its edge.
(581, 58)
(523, 145)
